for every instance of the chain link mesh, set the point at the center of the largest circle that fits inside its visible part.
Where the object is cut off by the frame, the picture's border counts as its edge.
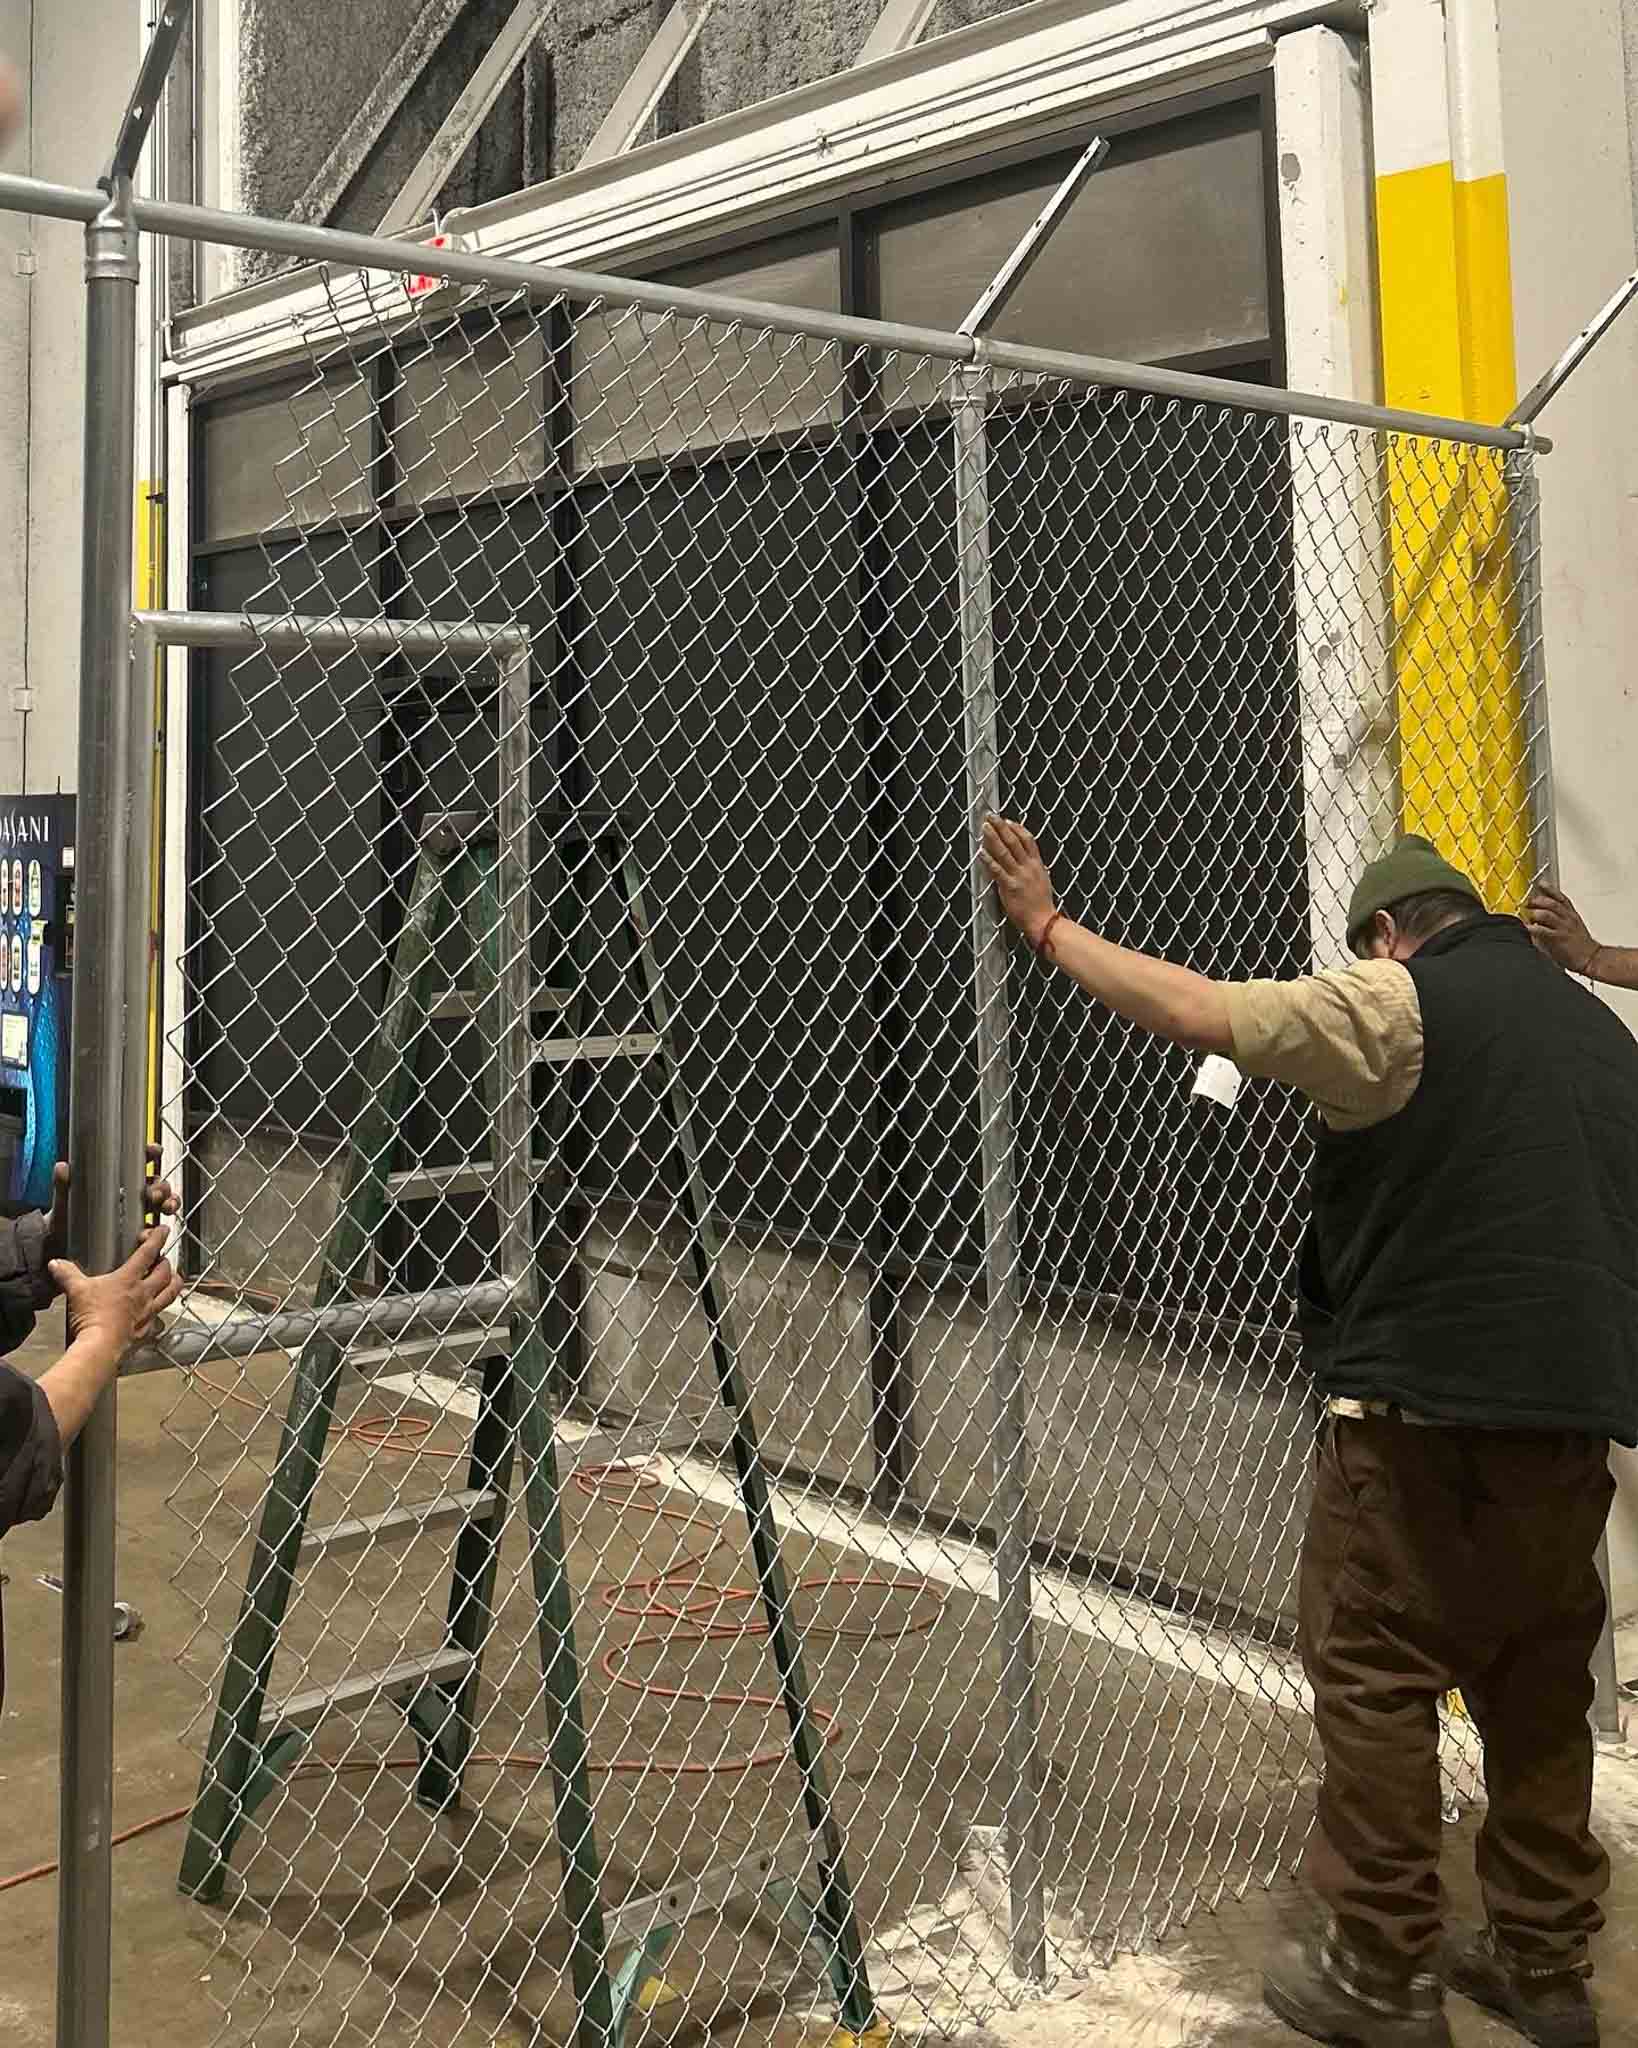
(1233, 654)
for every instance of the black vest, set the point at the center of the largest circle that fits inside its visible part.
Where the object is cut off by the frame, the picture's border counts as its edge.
(1475, 1258)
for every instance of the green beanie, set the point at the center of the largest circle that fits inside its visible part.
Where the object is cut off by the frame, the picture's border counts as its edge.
(1413, 868)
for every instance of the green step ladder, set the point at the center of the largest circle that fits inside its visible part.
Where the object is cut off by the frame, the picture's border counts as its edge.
(468, 882)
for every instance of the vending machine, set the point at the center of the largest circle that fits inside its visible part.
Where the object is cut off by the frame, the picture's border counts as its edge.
(36, 978)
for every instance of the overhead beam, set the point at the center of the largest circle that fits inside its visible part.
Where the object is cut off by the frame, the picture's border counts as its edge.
(414, 200)
(398, 74)
(898, 26)
(652, 73)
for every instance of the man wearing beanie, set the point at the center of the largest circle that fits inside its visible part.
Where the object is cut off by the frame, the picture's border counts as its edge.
(1468, 1304)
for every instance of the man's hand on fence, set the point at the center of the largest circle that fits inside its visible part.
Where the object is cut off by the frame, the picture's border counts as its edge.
(1560, 931)
(1020, 875)
(113, 1310)
(158, 1199)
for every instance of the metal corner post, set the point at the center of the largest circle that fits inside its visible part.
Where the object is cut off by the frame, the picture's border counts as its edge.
(106, 1114)
(1524, 540)
(970, 386)
(1524, 547)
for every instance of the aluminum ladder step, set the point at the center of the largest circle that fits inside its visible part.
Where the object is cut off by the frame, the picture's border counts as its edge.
(421, 1183)
(463, 1002)
(363, 1688)
(397, 1525)
(563, 1052)
(476, 1176)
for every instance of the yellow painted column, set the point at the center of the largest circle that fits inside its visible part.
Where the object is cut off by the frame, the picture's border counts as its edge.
(149, 580)
(1445, 285)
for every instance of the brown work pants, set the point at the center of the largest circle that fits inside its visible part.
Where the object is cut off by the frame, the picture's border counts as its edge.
(1437, 1558)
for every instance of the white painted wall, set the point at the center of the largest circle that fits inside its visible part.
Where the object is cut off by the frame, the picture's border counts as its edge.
(15, 299)
(1567, 138)
(77, 64)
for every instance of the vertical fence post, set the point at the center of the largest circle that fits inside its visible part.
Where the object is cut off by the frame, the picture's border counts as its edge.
(106, 1111)
(1009, 1448)
(1524, 537)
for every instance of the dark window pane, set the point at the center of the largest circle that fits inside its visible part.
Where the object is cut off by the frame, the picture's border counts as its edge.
(468, 412)
(294, 457)
(285, 968)
(1146, 678)
(1163, 253)
(647, 384)
(723, 718)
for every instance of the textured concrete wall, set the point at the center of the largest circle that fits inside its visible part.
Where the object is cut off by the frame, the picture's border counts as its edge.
(310, 148)
(304, 80)
(1184, 1467)
(266, 1213)
(804, 1343)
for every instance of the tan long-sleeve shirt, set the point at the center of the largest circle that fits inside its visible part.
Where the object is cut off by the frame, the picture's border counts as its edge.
(1350, 1039)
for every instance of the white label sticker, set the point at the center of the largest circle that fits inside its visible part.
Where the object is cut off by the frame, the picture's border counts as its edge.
(1219, 1080)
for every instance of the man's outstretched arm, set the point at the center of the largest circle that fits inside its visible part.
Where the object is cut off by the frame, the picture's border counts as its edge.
(1173, 1002)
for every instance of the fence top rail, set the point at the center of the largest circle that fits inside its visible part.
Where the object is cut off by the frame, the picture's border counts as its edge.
(332, 635)
(338, 249)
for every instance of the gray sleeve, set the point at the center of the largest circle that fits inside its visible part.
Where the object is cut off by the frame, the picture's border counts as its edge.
(31, 1451)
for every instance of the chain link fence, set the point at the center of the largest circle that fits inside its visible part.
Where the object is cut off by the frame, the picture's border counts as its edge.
(744, 1451)
(929, 1443)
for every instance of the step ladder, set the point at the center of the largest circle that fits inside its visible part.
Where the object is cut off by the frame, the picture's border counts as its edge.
(468, 884)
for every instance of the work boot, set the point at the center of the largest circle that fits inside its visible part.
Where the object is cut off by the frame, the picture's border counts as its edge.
(1549, 2006)
(1317, 1986)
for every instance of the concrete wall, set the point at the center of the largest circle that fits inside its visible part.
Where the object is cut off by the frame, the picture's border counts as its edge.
(1569, 89)
(1183, 1466)
(803, 1331)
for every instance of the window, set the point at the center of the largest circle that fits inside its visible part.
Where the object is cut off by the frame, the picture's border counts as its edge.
(1163, 254)
(468, 412)
(647, 385)
(295, 456)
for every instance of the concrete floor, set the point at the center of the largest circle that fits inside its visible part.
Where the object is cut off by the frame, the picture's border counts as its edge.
(356, 1917)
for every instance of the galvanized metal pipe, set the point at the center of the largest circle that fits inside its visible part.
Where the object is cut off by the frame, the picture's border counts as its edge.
(189, 1344)
(333, 635)
(541, 281)
(107, 1093)
(1003, 1312)
(1547, 387)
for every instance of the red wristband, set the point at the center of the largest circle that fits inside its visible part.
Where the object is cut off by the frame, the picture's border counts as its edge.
(1043, 945)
